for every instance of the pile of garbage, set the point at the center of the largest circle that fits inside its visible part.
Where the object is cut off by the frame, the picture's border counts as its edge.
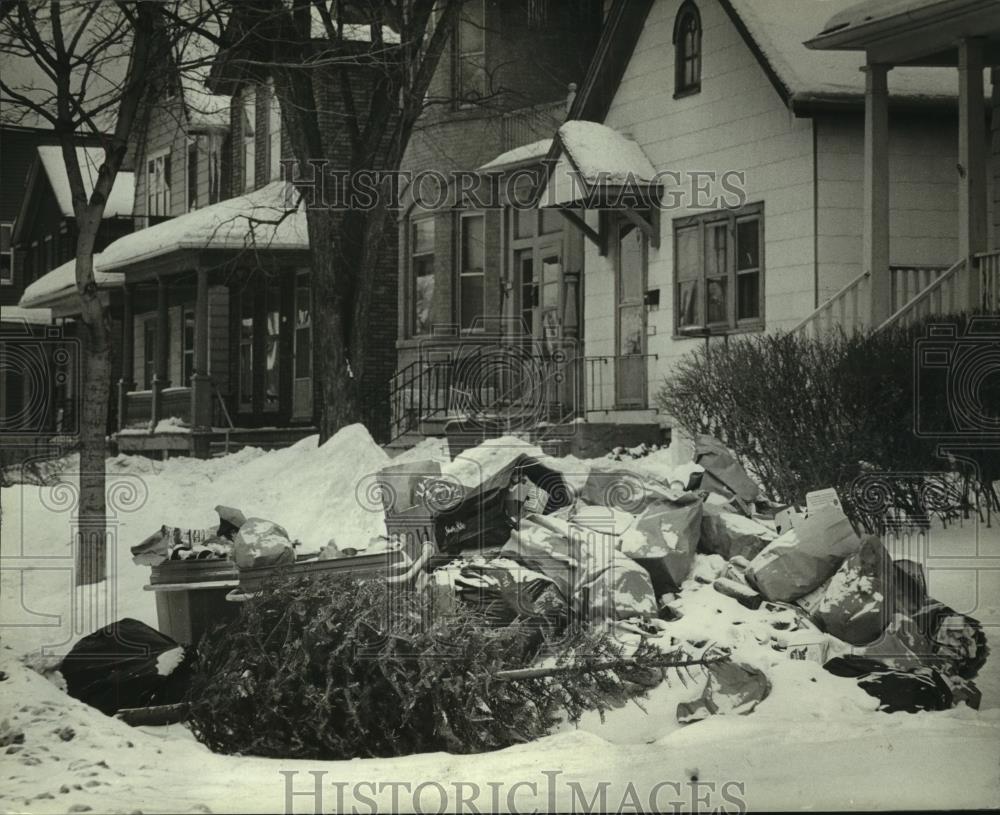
(526, 540)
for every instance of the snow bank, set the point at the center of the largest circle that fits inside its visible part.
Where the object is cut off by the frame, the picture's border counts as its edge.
(315, 492)
(816, 739)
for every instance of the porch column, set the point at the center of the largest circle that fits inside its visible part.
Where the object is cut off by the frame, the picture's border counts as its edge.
(972, 218)
(162, 351)
(875, 235)
(201, 383)
(126, 383)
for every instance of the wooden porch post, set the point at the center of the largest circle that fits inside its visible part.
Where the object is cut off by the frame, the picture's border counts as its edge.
(162, 351)
(125, 384)
(972, 217)
(201, 383)
(875, 235)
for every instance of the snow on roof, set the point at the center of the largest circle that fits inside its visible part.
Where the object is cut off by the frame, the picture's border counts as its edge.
(60, 283)
(236, 223)
(31, 316)
(603, 155)
(205, 109)
(869, 11)
(91, 158)
(535, 151)
(780, 31)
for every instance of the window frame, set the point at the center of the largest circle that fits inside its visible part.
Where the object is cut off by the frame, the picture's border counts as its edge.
(187, 350)
(460, 57)
(248, 113)
(273, 132)
(688, 11)
(215, 144)
(731, 218)
(412, 256)
(7, 279)
(193, 149)
(300, 275)
(49, 253)
(534, 245)
(148, 353)
(160, 195)
(460, 266)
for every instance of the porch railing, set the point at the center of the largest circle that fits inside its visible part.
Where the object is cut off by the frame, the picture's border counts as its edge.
(909, 281)
(520, 390)
(946, 294)
(600, 383)
(419, 392)
(174, 403)
(845, 309)
(988, 265)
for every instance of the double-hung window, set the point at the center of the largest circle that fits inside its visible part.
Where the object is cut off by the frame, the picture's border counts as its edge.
(470, 53)
(687, 50)
(193, 154)
(471, 272)
(249, 128)
(719, 270)
(422, 274)
(214, 168)
(6, 254)
(158, 184)
(188, 348)
(273, 133)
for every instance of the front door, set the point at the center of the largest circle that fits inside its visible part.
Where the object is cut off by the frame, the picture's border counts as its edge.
(630, 313)
(273, 337)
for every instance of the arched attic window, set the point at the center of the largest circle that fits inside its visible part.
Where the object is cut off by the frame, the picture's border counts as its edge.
(687, 50)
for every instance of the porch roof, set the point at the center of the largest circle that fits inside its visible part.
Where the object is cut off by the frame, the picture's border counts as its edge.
(520, 156)
(58, 287)
(25, 316)
(268, 219)
(910, 31)
(592, 156)
(265, 220)
(91, 158)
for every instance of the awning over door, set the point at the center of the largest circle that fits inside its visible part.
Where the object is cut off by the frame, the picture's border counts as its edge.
(593, 166)
(596, 164)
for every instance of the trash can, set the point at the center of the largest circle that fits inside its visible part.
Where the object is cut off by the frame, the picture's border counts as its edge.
(191, 597)
(378, 564)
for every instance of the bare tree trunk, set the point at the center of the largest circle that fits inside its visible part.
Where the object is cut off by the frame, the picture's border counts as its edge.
(347, 249)
(336, 365)
(91, 543)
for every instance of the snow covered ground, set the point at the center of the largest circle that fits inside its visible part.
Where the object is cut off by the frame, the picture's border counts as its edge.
(816, 742)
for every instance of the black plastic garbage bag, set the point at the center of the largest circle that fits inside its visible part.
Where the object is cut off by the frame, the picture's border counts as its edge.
(956, 638)
(899, 691)
(126, 664)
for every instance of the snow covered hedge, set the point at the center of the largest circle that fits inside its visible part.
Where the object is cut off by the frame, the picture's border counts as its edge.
(336, 668)
(804, 414)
